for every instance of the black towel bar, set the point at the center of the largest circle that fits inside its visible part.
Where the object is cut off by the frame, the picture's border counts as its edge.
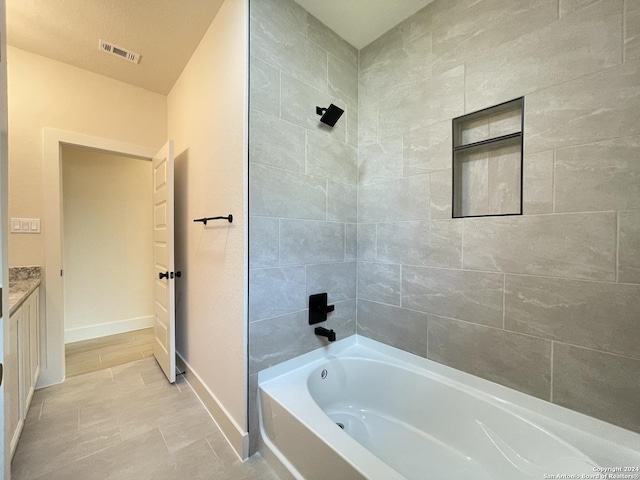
(205, 220)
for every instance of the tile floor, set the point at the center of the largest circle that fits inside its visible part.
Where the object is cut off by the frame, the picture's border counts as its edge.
(105, 352)
(126, 423)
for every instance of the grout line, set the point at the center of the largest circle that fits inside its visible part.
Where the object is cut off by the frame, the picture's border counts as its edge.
(504, 300)
(553, 182)
(624, 30)
(617, 265)
(280, 93)
(551, 373)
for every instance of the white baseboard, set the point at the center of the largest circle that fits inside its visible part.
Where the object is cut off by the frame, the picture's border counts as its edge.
(237, 438)
(104, 329)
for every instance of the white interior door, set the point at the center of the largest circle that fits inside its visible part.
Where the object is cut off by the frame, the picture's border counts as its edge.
(164, 347)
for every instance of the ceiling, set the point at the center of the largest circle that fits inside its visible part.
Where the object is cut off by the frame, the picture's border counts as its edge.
(165, 32)
(360, 22)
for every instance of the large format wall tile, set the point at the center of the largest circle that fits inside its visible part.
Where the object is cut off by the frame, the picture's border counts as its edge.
(465, 295)
(537, 179)
(599, 176)
(516, 361)
(604, 316)
(271, 191)
(276, 291)
(423, 104)
(427, 149)
(276, 142)
(331, 158)
(380, 161)
(587, 42)
(351, 242)
(570, 245)
(396, 200)
(632, 31)
(596, 107)
(379, 282)
(399, 57)
(440, 195)
(343, 79)
(394, 326)
(436, 243)
(367, 234)
(463, 30)
(342, 202)
(319, 33)
(629, 247)
(264, 87)
(305, 242)
(338, 280)
(598, 384)
(263, 242)
(567, 7)
(278, 35)
(279, 339)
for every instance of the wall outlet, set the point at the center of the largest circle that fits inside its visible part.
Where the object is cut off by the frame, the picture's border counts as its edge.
(25, 225)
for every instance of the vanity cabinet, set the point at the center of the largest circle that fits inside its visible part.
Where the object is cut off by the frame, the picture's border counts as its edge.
(23, 362)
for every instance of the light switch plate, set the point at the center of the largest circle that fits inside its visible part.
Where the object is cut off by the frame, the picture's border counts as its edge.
(25, 225)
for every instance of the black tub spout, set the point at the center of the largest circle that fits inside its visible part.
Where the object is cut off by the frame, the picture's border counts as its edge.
(324, 332)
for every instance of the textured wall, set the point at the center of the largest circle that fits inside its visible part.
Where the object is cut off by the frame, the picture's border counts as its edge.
(302, 190)
(207, 119)
(547, 303)
(44, 93)
(108, 239)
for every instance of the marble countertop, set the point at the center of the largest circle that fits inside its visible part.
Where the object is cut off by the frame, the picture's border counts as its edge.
(22, 283)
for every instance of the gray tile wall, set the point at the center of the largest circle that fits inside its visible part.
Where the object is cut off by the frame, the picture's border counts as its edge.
(547, 302)
(302, 185)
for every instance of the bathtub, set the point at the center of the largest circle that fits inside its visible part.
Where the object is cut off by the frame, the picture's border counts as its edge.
(359, 409)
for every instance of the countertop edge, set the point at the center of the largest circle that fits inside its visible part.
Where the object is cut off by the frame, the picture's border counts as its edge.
(36, 282)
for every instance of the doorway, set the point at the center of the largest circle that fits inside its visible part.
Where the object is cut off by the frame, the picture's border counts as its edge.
(107, 259)
(55, 142)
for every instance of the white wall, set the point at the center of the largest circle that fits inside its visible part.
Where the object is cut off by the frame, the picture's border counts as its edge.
(207, 120)
(108, 255)
(46, 93)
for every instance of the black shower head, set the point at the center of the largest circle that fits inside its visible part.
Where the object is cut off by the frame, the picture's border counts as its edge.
(330, 115)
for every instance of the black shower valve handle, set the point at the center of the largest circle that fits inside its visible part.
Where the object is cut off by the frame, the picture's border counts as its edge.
(318, 308)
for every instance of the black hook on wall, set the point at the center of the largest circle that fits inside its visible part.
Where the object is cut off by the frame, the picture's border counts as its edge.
(205, 220)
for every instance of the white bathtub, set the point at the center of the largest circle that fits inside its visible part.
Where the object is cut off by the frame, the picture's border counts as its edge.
(406, 417)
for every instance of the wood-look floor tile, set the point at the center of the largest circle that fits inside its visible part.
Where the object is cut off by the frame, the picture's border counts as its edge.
(105, 352)
(126, 422)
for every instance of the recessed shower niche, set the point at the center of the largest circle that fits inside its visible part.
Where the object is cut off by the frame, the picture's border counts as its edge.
(487, 161)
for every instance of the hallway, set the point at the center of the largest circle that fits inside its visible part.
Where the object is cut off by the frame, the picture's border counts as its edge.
(126, 422)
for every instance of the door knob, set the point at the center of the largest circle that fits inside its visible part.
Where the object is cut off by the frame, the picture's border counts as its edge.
(163, 275)
(177, 274)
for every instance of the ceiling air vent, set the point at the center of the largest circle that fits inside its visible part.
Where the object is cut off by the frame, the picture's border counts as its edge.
(118, 51)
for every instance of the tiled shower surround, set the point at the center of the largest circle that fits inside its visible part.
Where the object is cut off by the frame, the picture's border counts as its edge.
(548, 302)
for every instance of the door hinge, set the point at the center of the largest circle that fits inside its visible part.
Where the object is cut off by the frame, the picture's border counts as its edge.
(60, 272)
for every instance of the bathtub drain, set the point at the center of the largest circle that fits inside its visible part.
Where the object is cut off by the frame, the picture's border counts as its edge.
(323, 375)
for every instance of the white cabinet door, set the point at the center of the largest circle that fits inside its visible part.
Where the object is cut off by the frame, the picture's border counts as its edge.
(12, 385)
(34, 338)
(24, 360)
